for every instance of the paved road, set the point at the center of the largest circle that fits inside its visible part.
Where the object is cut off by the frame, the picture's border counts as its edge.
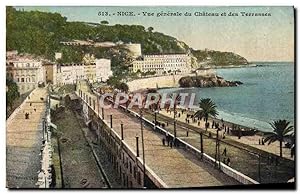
(24, 140)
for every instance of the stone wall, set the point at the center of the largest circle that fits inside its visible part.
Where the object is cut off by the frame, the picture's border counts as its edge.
(167, 81)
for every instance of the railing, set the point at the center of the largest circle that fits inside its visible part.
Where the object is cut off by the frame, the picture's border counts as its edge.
(223, 167)
(240, 177)
(149, 172)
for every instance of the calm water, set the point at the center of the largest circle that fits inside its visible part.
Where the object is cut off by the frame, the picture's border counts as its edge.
(267, 94)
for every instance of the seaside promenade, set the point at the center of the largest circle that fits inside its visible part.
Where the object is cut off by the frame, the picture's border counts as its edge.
(24, 140)
(248, 140)
(175, 167)
(249, 160)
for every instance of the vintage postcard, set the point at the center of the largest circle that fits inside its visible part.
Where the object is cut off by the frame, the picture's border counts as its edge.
(150, 97)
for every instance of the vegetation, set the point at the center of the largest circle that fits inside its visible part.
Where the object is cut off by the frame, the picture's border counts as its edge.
(281, 130)
(12, 93)
(41, 34)
(208, 108)
(218, 58)
(116, 83)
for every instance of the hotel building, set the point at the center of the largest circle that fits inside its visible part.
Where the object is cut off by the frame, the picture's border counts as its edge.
(163, 64)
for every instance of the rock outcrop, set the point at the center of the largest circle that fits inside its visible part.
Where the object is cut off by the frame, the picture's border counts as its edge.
(206, 82)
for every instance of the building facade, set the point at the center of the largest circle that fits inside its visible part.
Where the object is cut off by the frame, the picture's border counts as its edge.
(98, 71)
(26, 71)
(163, 64)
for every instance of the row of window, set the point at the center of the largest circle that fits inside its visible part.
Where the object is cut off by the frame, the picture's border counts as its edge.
(26, 79)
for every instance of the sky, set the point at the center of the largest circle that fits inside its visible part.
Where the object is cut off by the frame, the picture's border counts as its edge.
(257, 38)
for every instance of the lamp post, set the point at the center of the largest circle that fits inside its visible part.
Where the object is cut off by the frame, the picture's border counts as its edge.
(155, 117)
(122, 132)
(111, 124)
(137, 146)
(102, 110)
(217, 147)
(143, 144)
(259, 163)
(201, 144)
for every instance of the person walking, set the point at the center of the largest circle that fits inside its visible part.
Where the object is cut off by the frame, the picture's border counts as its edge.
(228, 161)
(168, 139)
(164, 141)
(224, 152)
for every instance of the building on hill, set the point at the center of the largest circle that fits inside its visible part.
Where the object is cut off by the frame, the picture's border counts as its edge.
(163, 64)
(26, 70)
(98, 70)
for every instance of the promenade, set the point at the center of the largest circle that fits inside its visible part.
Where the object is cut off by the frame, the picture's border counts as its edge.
(23, 141)
(248, 140)
(175, 167)
(239, 152)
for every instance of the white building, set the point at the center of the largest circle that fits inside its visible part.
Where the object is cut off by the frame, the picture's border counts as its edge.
(103, 69)
(100, 71)
(25, 70)
(135, 50)
(163, 64)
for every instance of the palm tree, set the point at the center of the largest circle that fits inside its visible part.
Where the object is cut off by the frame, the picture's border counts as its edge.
(281, 130)
(207, 108)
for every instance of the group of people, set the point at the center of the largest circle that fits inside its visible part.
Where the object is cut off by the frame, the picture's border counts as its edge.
(27, 113)
(168, 140)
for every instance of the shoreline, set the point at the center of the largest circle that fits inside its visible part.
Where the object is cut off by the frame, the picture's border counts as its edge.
(250, 140)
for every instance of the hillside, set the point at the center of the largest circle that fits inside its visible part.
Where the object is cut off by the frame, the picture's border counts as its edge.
(40, 33)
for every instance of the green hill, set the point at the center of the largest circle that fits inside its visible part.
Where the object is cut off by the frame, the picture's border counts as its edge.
(40, 33)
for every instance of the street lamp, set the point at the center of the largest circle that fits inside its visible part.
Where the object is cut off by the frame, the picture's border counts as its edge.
(201, 144)
(217, 154)
(143, 144)
(155, 117)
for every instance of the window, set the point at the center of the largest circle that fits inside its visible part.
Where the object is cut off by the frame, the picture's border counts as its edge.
(22, 79)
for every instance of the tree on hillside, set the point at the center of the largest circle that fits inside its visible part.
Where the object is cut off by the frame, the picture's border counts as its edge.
(150, 29)
(123, 87)
(104, 22)
(281, 129)
(12, 92)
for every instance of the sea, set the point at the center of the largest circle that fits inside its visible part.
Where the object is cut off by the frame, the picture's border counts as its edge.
(267, 94)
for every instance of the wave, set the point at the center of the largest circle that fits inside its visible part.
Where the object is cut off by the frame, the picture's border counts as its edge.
(243, 120)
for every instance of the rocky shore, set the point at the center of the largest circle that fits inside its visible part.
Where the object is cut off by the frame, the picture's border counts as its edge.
(206, 82)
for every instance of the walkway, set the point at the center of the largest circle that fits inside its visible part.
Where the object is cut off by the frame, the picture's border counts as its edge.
(175, 167)
(23, 141)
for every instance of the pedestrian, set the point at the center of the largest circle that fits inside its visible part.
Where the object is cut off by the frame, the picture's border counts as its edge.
(30, 104)
(259, 141)
(198, 123)
(171, 143)
(34, 110)
(167, 124)
(228, 161)
(262, 141)
(164, 141)
(168, 139)
(187, 133)
(224, 151)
